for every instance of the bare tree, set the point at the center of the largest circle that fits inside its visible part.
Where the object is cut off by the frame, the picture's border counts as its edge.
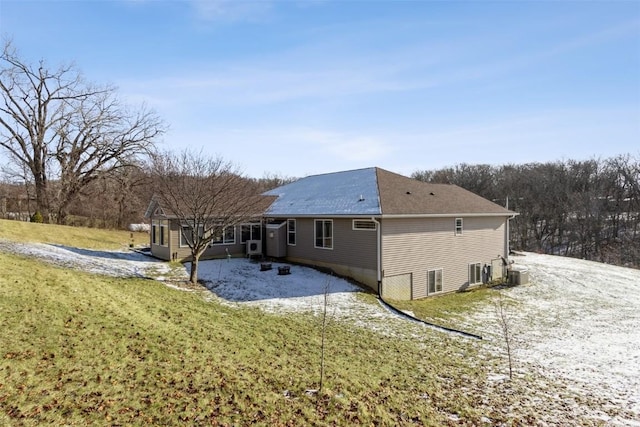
(65, 130)
(207, 195)
(272, 180)
(325, 321)
(504, 322)
(115, 200)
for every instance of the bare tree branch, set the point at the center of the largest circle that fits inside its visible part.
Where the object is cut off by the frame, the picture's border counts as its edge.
(67, 131)
(207, 195)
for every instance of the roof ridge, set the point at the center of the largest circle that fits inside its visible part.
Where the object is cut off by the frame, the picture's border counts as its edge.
(339, 172)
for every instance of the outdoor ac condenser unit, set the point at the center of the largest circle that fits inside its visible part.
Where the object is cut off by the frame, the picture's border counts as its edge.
(518, 277)
(254, 247)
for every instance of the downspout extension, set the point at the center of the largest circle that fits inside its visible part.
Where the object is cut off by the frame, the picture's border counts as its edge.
(398, 311)
(432, 325)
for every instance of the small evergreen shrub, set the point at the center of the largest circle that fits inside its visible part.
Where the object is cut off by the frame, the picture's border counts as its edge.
(36, 217)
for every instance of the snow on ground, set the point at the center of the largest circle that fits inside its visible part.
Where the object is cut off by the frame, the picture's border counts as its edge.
(576, 322)
(240, 281)
(108, 263)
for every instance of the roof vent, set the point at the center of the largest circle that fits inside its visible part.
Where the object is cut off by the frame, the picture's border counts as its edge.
(408, 192)
(361, 199)
(432, 193)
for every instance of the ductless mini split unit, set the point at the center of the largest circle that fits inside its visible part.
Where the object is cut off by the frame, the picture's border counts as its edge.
(254, 247)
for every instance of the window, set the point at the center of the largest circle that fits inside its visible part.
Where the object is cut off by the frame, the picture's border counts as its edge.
(291, 232)
(186, 236)
(458, 226)
(159, 234)
(163, 235)
(224, 236)
(250, 231)
(475, 273)
(324, 233)
(434, 281)
(154, 233)
(364, 224)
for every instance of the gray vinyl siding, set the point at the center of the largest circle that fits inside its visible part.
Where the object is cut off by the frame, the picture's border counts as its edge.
(157, 250)
(184, 253)
(354, 252)
(416, 245)
(161, 252)
(356, 248)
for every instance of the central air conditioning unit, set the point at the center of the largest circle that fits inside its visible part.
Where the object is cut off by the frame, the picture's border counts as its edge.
(254, 247)
(517, 277)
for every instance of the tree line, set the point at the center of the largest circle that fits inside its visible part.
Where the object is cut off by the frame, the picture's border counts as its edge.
(78, 155)
(585, 209)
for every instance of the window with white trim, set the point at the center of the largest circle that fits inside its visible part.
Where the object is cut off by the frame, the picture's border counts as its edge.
(364, 224)
(291, 232)
(458, 226)
(475, 273)
(324, 233)
(250, 231)
(186, 234)
(154, 233)
(159, 235)
(434, 281)
(224, 236)
(163, 234)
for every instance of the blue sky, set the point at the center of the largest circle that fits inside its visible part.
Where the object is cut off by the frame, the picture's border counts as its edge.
(305, 87)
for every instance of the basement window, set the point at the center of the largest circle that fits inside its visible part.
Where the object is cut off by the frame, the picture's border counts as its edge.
(434, 281)
(475, 273)
(364, 224)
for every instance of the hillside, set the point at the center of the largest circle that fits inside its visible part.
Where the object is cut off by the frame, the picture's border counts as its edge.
(108, 346)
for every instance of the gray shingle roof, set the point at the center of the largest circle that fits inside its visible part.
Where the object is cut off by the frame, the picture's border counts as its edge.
(341, 193)
(375, 191)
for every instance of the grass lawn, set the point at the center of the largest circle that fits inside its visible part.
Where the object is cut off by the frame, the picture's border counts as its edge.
(78, 349)
(446, 310)
(82, 237)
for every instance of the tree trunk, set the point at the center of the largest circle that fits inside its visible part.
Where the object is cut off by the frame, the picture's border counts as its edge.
(193, 276)
(42, 201)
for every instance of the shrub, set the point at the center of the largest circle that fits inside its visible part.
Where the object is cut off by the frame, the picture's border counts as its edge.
(36, 217)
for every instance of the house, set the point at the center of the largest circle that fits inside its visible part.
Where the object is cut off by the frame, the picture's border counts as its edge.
(168, 233)
(404, 238)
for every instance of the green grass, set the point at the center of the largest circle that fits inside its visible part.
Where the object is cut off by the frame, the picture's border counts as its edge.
(80, 349)
(449, 309)
(81, 237)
